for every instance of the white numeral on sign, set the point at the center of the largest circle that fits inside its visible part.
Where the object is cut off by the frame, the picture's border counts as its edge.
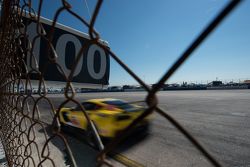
(90, 62)
(61, 50)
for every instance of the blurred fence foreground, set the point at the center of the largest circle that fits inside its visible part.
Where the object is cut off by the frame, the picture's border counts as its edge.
(27, 139)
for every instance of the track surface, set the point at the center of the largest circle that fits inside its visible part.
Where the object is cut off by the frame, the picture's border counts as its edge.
(219, 119)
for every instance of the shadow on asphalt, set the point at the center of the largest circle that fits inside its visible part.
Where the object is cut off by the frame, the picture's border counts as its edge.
(84, 152)
(130, 141)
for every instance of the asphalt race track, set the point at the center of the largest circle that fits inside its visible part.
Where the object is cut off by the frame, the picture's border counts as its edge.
(218, 119)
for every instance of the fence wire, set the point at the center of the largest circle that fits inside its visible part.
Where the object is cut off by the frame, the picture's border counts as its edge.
(27, 139)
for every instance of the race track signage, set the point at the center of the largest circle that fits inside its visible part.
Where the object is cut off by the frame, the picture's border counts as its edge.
(93, 67)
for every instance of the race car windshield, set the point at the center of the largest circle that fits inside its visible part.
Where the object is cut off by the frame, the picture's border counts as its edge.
(120, 104)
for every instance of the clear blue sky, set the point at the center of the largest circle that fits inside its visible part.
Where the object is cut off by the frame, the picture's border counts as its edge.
(150, 35)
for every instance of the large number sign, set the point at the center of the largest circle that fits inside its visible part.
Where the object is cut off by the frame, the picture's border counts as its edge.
(93, 67)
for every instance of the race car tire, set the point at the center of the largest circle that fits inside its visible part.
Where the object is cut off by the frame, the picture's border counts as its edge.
(91, 137)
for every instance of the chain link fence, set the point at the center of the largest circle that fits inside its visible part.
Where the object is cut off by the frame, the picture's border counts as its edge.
(27, 138)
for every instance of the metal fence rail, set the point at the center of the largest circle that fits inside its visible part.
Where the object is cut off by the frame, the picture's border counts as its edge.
(20, 119)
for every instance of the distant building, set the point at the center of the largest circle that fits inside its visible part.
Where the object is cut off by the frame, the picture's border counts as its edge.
(127, 87)
(215, 83)
(115, 88)
(247, 82)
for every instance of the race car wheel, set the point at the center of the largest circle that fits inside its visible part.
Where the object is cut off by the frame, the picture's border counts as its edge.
(62, 125)
(91, 139)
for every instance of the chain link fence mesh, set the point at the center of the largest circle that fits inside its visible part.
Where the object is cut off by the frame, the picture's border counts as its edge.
(27, 138)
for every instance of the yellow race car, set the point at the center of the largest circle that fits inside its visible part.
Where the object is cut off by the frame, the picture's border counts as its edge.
(110, 116)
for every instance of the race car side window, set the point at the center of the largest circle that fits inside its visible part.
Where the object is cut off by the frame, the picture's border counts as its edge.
(77, 108)
(88, 106)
